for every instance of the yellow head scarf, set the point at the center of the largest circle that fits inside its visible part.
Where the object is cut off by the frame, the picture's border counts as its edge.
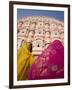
(24, 60)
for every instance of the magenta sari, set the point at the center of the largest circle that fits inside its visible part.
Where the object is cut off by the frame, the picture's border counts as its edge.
(50, 64)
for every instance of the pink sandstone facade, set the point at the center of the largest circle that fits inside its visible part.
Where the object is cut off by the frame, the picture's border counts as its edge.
(40, 31)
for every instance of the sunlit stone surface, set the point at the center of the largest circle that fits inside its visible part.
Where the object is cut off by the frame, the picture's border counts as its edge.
(40, 31)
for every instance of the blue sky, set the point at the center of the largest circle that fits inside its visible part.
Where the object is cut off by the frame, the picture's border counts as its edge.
(30, 12)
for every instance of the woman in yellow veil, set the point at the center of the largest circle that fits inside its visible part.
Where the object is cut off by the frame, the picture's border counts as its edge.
(24, 60)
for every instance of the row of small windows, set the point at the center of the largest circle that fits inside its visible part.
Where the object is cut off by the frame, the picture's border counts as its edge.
(39, 32)
(39, 25)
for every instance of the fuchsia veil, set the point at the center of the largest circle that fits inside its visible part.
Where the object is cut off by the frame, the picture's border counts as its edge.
(50, 64)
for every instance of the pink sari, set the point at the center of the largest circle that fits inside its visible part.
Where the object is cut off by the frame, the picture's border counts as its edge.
(50, 64)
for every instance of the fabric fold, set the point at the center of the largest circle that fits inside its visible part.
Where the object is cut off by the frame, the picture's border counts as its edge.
(24, 60)
(50, 64)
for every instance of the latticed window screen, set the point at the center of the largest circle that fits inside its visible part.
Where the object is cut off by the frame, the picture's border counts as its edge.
(40, 31)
